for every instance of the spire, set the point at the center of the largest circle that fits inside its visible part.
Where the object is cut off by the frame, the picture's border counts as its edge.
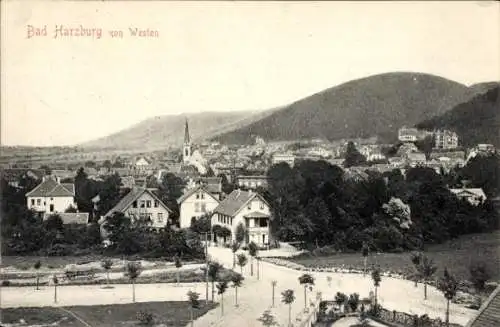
(187, 140)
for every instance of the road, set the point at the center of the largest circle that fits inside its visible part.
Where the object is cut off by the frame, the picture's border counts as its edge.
(255, 295)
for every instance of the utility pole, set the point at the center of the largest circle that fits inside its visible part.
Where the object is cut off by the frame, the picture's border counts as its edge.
(206, 270)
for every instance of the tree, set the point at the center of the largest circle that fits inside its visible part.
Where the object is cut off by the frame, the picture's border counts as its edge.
(194, 303)
(221, 289)
(364, 252)
(273, 285)
(237, 280)
(107, 264)
(201, 224)
(353, 157)
(107, 164)
(37, 266)
(240, 233)
(214, 269)
(267, 319)
(242, 261)
(376, 282)
(449, 286)
(426, 145)
(252, 251)
(340, 298)
(288, 297)
(479, 275)
(353, 301)
(416, 258)
(178, 265)
(235, 246)
(55, 280)
(133, 271)
(427, 268)
(306, 281)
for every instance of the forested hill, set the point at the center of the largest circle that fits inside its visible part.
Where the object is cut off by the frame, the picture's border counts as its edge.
(475, 121)
(375, 105)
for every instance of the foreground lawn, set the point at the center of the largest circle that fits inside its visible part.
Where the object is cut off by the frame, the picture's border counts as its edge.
(173, 314)
(456, 255)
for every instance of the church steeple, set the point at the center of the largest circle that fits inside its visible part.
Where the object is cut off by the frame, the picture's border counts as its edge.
(186, 151)
(187, 139)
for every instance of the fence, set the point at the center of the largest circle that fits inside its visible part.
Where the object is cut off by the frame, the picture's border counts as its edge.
(396, 318)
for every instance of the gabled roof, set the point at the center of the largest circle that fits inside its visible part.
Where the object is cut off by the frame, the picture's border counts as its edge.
(235, 201)
(131, 196)
(192, 191)
(51, 188)
(489, 312)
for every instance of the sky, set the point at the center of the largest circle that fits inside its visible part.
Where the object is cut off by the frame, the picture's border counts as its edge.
(218, 56)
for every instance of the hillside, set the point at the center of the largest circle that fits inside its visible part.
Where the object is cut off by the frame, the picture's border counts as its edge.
(375, 105)
(161, 131)
(475, 121)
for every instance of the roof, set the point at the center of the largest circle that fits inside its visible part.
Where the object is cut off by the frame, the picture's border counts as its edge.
(474, 191)
(131, 196)
(255, 214)
(193, 191)
(51, 188)
(235, 201)
(72, 217)
(489, 313)
(416, 156)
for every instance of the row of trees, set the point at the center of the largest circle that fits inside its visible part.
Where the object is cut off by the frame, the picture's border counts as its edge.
(314, 202)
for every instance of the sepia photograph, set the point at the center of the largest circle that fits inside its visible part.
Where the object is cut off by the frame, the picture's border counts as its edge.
(250, 163)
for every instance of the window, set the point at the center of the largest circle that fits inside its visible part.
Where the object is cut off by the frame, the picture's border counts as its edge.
(202, 196)
(196, 207)
(249, 206)
(157, 203)
(197, 195)
(148, 204)
(203, 207)
(261, 205)
(134, 204)
(160, 217)
(32, 202)
(143, 203)
(38, 202)
(262, 222)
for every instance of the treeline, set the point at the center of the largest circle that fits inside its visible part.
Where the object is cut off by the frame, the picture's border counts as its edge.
(313, 202)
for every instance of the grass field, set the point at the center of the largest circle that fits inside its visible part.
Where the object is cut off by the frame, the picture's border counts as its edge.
(456, 255)
(27, 262)
(173, 314)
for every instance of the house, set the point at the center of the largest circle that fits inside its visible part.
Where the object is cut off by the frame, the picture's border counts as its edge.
(416, 159)
(142, 164)
(142, 203)
(288, 158)
(445, 139)
(195, 203)
(489, 312)
(51, 196)
(63, 173)
(406, 134)
(474, 196)
(252, 182)
(247, 208)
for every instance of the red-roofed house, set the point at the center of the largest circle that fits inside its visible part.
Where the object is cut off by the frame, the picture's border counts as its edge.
(248, 208)
(51, 196)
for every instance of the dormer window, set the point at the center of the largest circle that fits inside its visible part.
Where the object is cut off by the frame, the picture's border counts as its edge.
(134, 204)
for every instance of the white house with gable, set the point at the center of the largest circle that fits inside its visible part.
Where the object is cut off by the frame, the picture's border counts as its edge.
(249, 209)
(195, 203)
(51, 196)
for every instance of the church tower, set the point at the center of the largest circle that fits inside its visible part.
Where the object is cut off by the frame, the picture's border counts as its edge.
(186, 149)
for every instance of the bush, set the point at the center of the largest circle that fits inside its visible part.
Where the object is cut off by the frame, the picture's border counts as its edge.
(145, 318)
(59, 250)
(5, 282)
(479, 275)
